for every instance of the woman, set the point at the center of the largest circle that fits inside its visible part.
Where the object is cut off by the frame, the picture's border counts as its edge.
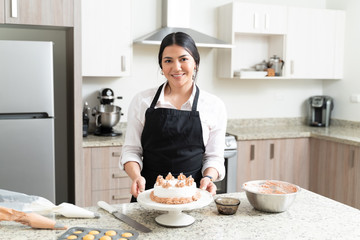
(175, 128)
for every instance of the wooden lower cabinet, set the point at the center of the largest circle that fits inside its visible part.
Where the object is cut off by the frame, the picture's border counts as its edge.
(83, 179)
(326, 167)
(335, 171)
(294, 161)
(2, 11)
(103, 179)
(278, 159)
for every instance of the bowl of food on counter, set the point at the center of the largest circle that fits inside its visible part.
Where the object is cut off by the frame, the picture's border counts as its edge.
(227, 205)
(270, 195)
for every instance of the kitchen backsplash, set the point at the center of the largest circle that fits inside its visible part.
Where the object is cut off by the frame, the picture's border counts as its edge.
(236, 123)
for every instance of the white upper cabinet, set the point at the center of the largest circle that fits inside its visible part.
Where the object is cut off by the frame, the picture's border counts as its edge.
(37, 12)
(309, 41)
(257, 32)
(315, 43)
(106, 38)
(259, 18)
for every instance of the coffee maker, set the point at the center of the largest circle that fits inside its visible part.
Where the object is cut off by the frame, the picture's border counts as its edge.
(320, 108)
(277, 64)
(106, 114)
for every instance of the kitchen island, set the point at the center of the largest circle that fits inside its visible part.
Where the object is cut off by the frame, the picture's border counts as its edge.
(310, 217)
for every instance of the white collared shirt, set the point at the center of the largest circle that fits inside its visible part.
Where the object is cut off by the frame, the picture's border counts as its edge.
(213, 121)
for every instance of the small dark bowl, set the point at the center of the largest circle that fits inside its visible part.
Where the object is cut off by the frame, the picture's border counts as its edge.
(227, 205)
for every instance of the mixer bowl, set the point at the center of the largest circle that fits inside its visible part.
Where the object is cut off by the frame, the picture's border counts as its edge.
(107, 115)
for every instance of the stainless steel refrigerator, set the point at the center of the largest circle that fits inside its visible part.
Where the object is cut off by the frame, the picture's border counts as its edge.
(27, 159)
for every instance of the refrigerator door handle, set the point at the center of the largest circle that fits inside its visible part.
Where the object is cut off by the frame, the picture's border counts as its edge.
(39, 115)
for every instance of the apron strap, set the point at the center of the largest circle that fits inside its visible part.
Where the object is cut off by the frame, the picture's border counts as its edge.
(196, 98)
(157, 95)
(154, 101)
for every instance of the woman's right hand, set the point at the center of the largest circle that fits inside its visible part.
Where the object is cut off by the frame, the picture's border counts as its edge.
(134, 172)
(138, 186)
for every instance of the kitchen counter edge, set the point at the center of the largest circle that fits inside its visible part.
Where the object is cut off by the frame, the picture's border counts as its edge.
(347, 133)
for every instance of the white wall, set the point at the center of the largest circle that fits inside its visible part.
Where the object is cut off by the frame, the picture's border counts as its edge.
(344, 109)
(243, 98)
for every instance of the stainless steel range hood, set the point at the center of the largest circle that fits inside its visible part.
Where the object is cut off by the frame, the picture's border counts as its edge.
(176, 18)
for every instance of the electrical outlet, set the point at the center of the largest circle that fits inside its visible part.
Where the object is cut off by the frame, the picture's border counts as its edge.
(355, 98)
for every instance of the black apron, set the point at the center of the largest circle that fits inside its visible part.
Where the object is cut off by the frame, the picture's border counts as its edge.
(172, 141)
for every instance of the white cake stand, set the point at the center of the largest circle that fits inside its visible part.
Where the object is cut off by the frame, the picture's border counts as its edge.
(174, 217)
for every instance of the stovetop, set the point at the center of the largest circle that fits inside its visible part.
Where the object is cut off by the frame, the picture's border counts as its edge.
(107, 132)
(230, 142)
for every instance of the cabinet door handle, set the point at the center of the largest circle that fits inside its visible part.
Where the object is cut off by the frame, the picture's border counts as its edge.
(256, 20)
(116, 154)
(352, 159)
(272, 148)
(119, 197)
(292, 67)
(14, 8)
(117, 175)
(252, 152)
(123, 63)
(267, 21)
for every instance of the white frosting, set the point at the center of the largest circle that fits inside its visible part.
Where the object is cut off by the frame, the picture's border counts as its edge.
(175, 192)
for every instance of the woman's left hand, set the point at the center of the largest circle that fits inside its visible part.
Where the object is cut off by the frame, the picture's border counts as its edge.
(208, 185)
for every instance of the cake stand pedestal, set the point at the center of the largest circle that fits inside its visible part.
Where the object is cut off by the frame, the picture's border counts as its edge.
(175, 217)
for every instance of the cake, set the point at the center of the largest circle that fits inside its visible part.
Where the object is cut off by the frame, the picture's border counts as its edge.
(174, 191)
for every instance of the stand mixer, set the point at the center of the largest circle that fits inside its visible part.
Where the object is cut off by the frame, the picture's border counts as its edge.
(106, 114)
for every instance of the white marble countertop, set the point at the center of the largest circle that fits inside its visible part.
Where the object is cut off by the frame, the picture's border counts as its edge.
(310, 217)
(333, 133)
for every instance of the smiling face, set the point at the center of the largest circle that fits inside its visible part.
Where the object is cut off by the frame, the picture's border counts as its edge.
(178, 66)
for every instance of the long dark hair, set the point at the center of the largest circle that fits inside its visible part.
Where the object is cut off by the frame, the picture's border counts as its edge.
(183, 40)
